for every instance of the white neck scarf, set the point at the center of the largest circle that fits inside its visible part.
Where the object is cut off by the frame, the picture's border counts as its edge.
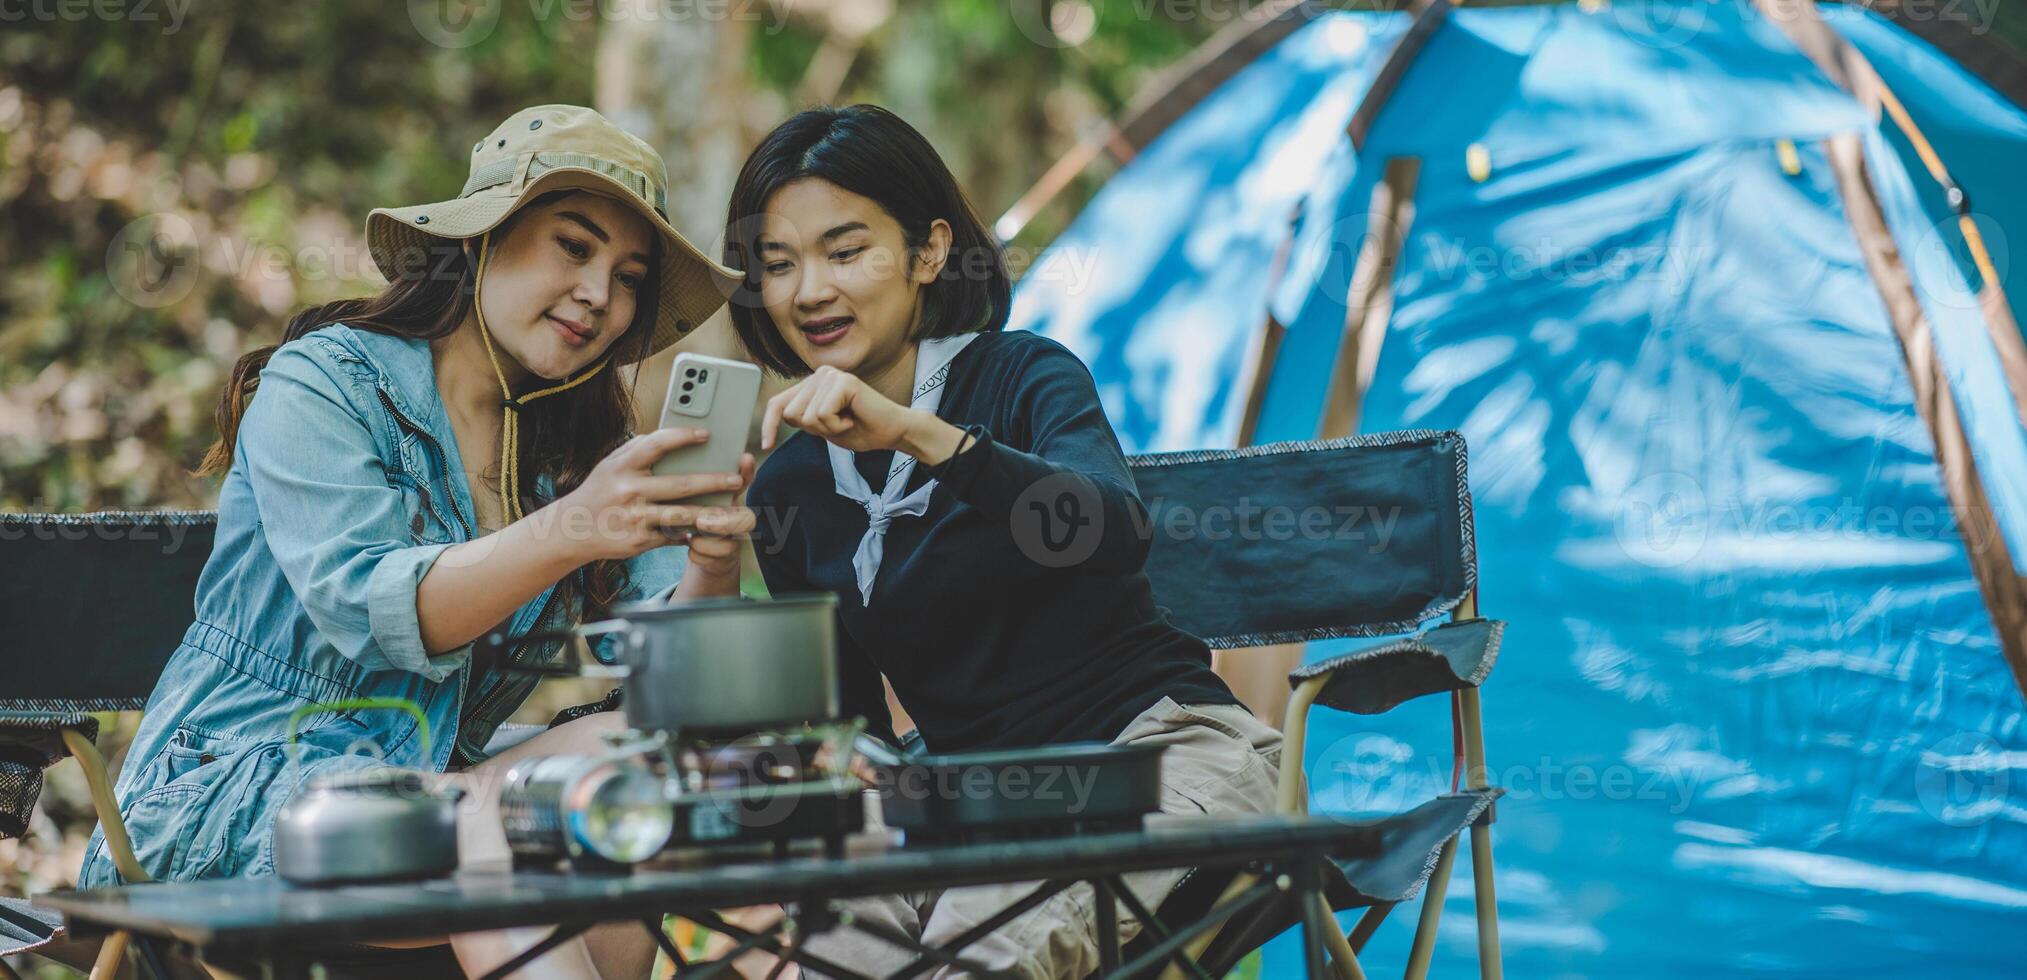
(932, 367)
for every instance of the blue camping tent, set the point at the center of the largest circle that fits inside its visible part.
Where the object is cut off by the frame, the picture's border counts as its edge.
(1749, 467)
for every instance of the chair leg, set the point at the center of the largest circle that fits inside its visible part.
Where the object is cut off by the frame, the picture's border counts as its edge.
(1471, 716)
(1432, 913)
(1489, 967)
(1343, 960)
(1292, 798)
(112, 956)
(1369, 924)
(107, 805)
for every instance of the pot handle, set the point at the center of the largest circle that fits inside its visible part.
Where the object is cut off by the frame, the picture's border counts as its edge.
(501, 642)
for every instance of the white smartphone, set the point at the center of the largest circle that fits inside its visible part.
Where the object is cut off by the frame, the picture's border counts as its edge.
(720, 397)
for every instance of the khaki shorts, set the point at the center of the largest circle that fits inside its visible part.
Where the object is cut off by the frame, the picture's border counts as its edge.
(1220, 759)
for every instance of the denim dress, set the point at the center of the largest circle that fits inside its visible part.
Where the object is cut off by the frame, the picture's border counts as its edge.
(345, 487)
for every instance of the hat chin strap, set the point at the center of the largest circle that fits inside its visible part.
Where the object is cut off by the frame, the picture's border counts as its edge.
(510, 405)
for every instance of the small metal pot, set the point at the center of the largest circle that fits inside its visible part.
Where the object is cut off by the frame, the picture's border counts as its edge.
(715, 666)
(375, 825)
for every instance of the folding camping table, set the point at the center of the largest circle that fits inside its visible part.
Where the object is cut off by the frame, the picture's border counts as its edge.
(276, 926)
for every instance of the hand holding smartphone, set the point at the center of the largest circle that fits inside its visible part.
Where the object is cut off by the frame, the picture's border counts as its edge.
(718, 396)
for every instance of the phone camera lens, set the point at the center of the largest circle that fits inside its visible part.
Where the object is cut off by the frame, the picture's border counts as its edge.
(690, 373)
(687, 386)
(685, 400)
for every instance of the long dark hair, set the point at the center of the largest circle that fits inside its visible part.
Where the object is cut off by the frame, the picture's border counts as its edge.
(875, 154)
(563, 435)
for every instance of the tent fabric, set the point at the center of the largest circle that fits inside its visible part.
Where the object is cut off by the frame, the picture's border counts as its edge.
(1752, 711)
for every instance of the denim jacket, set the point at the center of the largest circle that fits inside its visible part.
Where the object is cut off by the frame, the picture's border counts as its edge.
(345, 487)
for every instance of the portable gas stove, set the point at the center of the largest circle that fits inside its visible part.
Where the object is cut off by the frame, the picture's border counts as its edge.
(753, 795)
(767, 788)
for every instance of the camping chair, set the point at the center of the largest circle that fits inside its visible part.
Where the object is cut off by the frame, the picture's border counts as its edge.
(1232, 572)
(95, 604)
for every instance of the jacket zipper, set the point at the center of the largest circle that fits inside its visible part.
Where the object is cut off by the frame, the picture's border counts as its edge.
(442, 461)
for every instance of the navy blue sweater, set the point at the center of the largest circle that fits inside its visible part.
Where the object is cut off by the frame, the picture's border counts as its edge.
(1014, 612)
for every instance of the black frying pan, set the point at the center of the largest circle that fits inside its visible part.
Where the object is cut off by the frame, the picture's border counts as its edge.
(1048, 790)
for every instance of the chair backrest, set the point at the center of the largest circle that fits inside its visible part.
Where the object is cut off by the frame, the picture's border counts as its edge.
(94, 604)
(1295, 541)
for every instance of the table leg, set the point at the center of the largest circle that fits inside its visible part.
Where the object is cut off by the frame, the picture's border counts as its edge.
(1312, 939)
(1153, 924)
(654, 928)
(1042, 893)
(1108, 926)
(1248, 898)
(563, 934)
(711, 921)
(151, 957)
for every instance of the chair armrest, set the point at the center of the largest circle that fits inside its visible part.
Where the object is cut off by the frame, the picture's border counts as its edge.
(1371, 681)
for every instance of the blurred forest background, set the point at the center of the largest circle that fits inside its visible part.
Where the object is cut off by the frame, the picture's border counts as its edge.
(176, 185)
(175, 182)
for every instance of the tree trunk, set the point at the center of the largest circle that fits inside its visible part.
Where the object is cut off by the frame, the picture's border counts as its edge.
(680, 83)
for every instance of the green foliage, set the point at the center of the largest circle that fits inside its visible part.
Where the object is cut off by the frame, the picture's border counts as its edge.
(253, 138)
(173, 192)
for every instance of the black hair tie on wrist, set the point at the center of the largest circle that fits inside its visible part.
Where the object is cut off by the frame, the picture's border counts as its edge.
(973, 435)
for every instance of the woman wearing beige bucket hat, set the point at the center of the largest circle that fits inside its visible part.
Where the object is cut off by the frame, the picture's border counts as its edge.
(410, 471)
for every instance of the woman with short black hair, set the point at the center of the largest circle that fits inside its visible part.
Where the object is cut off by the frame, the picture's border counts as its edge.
(958, 487)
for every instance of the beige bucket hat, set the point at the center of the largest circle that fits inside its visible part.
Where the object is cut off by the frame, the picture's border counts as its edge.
(555, 147)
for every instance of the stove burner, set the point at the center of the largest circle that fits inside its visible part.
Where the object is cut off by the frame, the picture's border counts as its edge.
(763, 759)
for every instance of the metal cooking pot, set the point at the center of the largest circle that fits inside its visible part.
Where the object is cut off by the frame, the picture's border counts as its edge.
(713, 666)
(375, 825)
